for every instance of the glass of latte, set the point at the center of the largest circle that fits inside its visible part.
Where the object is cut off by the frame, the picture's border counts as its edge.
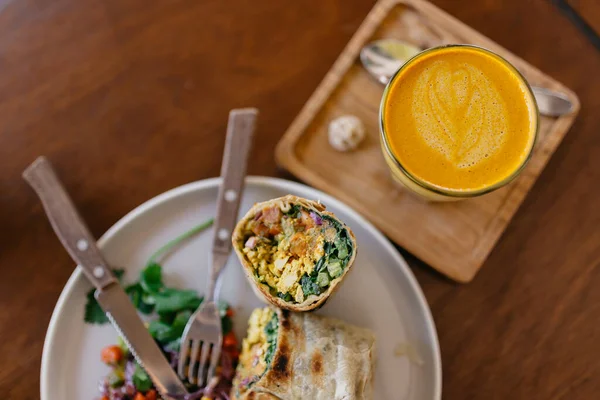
(456, 122)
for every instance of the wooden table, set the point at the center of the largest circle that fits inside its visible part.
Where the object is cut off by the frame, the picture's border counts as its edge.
(130, 98)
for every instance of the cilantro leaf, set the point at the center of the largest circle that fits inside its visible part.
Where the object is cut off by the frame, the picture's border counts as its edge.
(135, 292)
(150, 295)
(166, 333)
(173, 300)
(160, 331)
(141, 380)
(166, 317)
(93, 313)
(181, 320)
(179, 324)
(151, 278)
(139, 299)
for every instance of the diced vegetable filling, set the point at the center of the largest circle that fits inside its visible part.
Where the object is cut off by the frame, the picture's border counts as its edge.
(127, 380)
(258, 349)
(296, 251)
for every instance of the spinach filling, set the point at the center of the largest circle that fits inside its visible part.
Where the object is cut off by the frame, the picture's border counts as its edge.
(271, 333)
(330, 266)
(270, 330)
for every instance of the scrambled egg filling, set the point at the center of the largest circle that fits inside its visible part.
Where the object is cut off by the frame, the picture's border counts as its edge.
(282, 248)
(252, 363)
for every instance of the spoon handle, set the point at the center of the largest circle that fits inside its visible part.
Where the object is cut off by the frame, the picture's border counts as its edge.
(382, 66)
(552, 103)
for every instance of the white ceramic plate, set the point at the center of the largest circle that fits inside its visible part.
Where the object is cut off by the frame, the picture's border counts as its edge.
(380, 293)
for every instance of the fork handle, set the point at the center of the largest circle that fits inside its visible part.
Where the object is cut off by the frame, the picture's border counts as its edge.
(68, 225)
(240, 130)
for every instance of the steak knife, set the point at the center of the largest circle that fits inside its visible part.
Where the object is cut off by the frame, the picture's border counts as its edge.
(81, 245)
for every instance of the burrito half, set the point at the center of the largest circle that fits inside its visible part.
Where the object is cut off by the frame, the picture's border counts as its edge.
(294, 253)
(291, 356)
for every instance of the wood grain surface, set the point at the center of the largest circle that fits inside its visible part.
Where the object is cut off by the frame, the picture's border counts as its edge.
(130, 98)
(454, 238)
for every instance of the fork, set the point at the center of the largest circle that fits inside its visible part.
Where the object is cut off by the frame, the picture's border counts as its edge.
(203, 331)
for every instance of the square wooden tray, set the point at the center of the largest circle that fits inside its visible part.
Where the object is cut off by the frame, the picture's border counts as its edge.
(454, 238)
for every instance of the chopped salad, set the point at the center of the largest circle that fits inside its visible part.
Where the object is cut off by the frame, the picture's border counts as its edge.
(169, 310)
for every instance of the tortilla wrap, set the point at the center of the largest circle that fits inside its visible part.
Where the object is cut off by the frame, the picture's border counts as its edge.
(265, 291)
(316, 358)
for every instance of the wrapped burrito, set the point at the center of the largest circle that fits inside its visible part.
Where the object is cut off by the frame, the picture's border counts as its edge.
(294, 253)
(289, 356)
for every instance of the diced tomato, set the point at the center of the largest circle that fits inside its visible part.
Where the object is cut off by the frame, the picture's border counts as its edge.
(139, 396)
(229, 312)
(307, 220)
(105, 398)
(260, 229)
(111, 355)
(230, 341)
(272, 215)
(274, 230)
(151, 394)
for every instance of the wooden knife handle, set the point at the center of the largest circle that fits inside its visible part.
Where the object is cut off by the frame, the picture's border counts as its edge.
(68, 225)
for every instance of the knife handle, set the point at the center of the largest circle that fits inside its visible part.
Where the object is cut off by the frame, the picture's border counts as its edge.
(68, 225)
(240, 130)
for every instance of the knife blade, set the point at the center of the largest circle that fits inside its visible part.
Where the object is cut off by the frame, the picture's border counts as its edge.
(119, 310)
(81, 245)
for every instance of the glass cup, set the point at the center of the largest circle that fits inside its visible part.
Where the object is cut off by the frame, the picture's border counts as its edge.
(422, 188)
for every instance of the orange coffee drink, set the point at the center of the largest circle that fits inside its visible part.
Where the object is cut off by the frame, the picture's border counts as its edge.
(457, 121)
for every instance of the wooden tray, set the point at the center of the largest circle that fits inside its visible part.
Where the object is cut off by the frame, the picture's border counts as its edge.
(454, 238)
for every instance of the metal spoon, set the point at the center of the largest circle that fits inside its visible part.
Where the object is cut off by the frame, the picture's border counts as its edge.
(383, 58)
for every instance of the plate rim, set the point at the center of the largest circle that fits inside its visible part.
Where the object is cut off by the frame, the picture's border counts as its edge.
(264, 181)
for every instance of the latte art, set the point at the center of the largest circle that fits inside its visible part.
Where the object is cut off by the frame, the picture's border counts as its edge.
(459, 113)
(458, 119)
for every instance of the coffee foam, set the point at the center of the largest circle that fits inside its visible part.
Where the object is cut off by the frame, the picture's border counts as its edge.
(459, 113)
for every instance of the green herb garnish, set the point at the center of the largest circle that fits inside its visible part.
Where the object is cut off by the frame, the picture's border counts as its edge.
(284, 296)
(171, 300)
(166, 333)
(332, 264)
(310, 286)
(151, 278)
(141, 380)
(150, 294)
(140, 299)
(294, 210)
(93, 313)
(271, 334)
(172, 244)
(171, 307)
